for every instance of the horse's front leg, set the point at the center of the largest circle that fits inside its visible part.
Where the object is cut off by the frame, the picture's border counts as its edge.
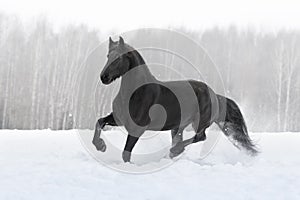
(97, 141)
(130, 143)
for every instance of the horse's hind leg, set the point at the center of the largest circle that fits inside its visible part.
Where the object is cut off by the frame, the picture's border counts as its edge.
(200, 136)
(176, 136)
(97, 141)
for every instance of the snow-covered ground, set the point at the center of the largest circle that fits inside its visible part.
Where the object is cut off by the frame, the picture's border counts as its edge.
(55, 165)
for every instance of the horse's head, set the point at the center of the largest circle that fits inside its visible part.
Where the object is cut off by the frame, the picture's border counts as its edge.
(118, 61)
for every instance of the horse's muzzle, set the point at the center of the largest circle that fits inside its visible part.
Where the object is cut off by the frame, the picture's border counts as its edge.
(105, 79)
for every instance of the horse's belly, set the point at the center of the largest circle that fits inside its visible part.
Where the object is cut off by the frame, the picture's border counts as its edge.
(172, 114)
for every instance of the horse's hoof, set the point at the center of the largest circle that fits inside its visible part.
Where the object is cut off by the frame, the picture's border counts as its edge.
(176, 151)
(126, 156)
(100, 144)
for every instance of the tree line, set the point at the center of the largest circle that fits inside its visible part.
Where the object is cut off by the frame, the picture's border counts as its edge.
(49, 79)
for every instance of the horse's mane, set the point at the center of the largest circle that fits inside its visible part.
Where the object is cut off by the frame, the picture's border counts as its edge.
(137, 59)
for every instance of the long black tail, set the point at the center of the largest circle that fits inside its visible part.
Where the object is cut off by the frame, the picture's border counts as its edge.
(233, 125)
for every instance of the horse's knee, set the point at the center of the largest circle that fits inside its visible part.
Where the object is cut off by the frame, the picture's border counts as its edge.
(100, 123)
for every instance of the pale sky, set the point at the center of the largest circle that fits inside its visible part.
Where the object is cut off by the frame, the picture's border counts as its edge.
(124, 15)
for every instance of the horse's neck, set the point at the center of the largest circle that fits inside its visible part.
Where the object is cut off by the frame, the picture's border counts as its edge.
(137, 77)
(139, 73)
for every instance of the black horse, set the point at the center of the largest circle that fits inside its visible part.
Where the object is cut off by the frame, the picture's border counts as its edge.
(139, 102)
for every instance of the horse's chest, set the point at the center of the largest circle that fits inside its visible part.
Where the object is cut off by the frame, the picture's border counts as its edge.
(120, 108)
(133, 110)
(117, 106)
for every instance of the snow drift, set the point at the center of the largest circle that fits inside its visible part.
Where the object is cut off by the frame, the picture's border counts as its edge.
(54, 165)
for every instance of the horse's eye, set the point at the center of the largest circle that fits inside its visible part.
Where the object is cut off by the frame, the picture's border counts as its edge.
(107, 55)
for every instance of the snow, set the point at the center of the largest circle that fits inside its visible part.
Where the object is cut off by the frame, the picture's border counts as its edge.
(44, 164)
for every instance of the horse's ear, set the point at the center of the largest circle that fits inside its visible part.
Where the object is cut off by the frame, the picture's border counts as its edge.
(111, 42)
(121, 41)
